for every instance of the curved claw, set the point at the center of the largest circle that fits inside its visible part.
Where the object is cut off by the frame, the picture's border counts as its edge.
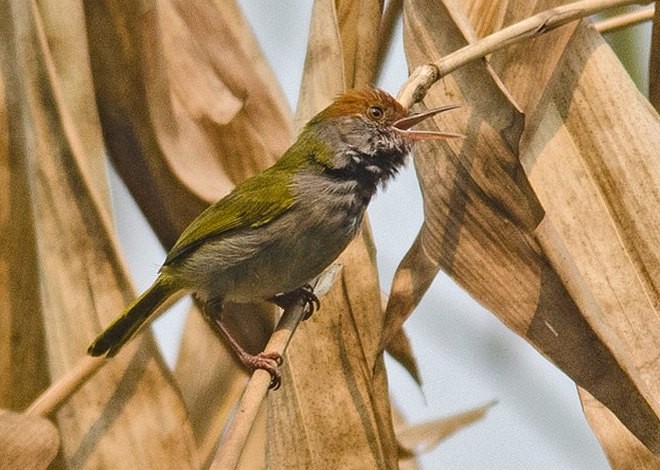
(270, 362)
(306, 293)
(312, 302)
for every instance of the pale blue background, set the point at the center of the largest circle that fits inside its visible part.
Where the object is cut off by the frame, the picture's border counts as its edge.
(466, 356)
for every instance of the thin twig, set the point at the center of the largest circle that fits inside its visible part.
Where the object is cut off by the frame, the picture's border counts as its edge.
(231, 447)
(49, 401)
(415, 88)
(623, 21)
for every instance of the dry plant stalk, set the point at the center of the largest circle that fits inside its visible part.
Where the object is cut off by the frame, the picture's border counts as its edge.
(626, 20)
(233, 442)
(417, 86)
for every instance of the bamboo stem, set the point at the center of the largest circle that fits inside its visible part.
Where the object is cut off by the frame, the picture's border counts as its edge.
(60, 391)
(231, 447)
(415, 88)
(623, 21)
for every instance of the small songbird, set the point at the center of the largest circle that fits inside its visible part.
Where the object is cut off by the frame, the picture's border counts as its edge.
(278, 230)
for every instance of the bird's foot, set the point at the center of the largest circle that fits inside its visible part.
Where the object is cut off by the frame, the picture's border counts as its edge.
(306, 293)
(268, 361)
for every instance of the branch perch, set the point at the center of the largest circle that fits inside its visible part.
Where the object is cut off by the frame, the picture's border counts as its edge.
(623, 21)
(231, 447)
(49, 401)
(415, 88)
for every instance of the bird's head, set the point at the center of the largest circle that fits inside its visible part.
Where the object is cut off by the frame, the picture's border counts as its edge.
(369, 133)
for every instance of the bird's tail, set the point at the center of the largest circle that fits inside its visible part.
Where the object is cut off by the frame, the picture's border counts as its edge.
(126, 325)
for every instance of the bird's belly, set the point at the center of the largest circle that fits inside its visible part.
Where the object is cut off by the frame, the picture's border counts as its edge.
(259, 263)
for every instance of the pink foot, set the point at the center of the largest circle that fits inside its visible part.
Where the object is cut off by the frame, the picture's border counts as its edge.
(268, 361)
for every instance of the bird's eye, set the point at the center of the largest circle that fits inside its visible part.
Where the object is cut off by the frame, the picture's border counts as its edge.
(375, 112)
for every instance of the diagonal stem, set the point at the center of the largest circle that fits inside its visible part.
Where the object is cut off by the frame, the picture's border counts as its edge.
(417, 85)
(230, 448)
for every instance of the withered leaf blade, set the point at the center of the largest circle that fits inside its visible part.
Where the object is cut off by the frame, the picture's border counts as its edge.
(589, 150)
(180, 145)
(423, 437)
(496, 125)
(23, 359)
(400, 349)
(334, 361)
(623, 450)
(118, 36)
(359, 25)
(324, 75)
(500, 248)
(129, 414)
(222, 52)
(591, 158)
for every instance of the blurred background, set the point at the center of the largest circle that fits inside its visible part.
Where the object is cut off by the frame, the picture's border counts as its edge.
(467, 358)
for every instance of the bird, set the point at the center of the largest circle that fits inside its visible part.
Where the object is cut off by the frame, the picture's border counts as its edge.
(279, 229)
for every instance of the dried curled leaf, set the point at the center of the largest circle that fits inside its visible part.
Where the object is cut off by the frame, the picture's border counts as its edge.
(424, 437)
(606, 179)
(23, 359)
(129, 412)
(334, 360)
(590, 158)
(485, 227)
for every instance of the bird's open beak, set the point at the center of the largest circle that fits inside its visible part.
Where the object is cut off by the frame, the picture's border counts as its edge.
(407, 122)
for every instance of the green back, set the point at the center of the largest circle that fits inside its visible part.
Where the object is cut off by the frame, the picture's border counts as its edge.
(256, 201)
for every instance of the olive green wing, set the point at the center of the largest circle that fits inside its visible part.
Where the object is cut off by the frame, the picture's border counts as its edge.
(253, 203)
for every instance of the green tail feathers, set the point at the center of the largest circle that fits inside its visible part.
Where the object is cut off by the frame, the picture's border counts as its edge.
(120, 331)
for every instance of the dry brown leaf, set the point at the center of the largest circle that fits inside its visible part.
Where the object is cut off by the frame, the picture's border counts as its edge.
(131, 415)
(27, 442)
(606, 180)
(482, 229)
(259, 132)
(23, 363)
(324, 76)
(334, 361)
(400, 349)
(546, 52)
(436, 243)
(359, 32)
(180, 144)
(424, 437)
(122, 42)
(576, 176)
(624, 451)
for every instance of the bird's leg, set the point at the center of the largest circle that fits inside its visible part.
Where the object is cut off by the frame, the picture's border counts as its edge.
(268, 361)
(306, 293)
